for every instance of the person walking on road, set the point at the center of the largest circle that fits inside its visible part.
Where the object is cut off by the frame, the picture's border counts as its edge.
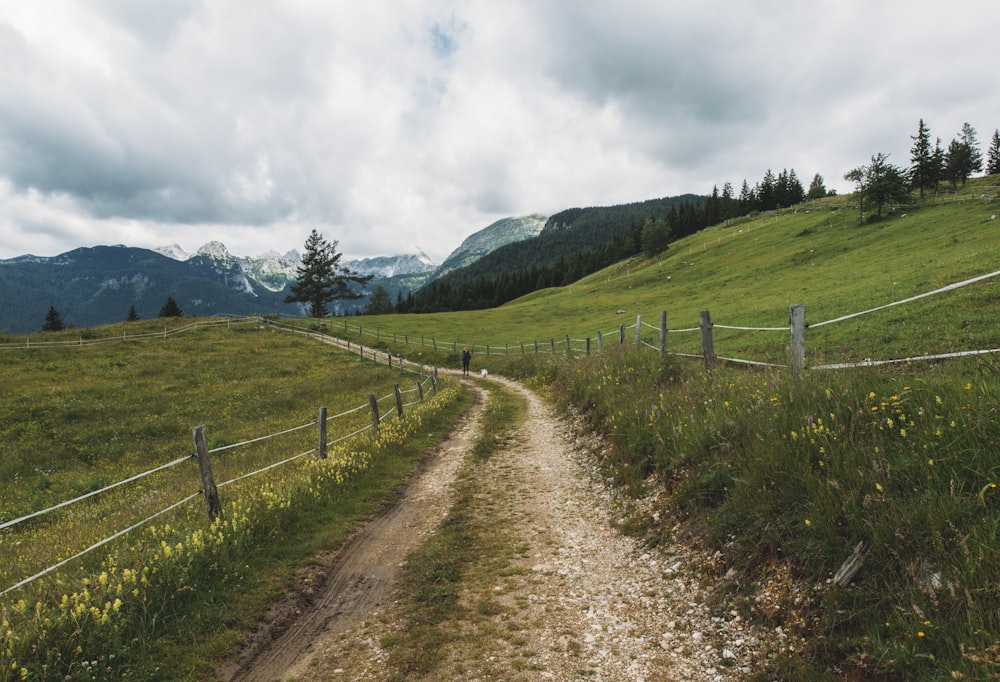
(466, 359)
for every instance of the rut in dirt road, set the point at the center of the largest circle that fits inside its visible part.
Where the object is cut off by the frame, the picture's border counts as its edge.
(361, 574)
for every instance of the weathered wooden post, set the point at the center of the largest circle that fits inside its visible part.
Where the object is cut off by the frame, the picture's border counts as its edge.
(487, 350)
(588, 345)
(373, 401)
(322, 433)
(536, 347)
(399, 400)
(434, 343)
(600, 341)
(522, 347)
(552, 345)
(420, 390)
(207, 480)
(506, 349)
(621, 334)
(707, 344)
(663, 333)
(638, 329)
(797, 325)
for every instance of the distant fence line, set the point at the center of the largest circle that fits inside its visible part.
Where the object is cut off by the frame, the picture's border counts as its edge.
(210, 488)
(567, 344)
(83, 341)
(796, 329)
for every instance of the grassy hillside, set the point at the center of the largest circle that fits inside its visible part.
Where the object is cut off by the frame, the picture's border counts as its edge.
(749, 272)
(781, 478)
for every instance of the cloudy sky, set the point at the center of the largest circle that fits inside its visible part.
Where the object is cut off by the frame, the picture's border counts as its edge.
(392, 125)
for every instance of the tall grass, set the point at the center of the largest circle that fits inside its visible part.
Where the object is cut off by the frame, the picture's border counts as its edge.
(778, 472)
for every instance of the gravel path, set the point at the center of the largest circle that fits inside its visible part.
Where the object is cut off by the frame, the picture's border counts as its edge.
(578, 600)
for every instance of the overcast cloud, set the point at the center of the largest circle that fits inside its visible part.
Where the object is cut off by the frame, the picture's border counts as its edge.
(393, 125)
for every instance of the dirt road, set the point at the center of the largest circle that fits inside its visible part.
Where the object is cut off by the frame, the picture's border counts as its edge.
(579, 601)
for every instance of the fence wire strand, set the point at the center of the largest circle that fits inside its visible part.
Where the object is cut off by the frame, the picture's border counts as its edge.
(41, 512)
(99, 544)
(950, 287)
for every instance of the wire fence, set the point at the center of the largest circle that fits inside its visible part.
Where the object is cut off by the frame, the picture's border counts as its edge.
(403, 365)
(427, 380)
(569, 345)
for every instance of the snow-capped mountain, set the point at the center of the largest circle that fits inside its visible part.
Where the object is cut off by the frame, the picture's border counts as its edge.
(393, 266)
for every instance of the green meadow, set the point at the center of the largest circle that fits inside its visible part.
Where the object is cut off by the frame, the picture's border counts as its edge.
(78, 418)
(781, 475)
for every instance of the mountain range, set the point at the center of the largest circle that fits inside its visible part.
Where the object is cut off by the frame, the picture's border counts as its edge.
(98, 285)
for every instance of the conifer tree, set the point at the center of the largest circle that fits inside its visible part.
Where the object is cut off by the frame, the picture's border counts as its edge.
(321, 279)
(379, 303)
(817, 189)
(922, 171)
(993, 155)
(133, 315)
(170, 308)
(53, 321)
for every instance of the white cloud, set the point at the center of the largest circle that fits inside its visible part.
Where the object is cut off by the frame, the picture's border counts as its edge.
(391, 124)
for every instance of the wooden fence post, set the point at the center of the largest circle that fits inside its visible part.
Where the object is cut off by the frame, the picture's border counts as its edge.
(552, 345)
(621, 334)
(322, 433)
(600, 341)
(487, 350)
(536, 346)
(207, 480)
(588, 345)
(373, 401)
(420, 391)
(638, 329)
(797, 324)
(399, 400)
(707, 344)
(663, 333)
(567, 345)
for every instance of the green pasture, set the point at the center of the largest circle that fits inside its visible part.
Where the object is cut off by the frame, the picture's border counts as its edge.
(748, 274)
(78, 418)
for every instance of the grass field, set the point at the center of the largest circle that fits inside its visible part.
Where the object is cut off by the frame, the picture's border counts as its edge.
(81, 418)
(782, 475)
